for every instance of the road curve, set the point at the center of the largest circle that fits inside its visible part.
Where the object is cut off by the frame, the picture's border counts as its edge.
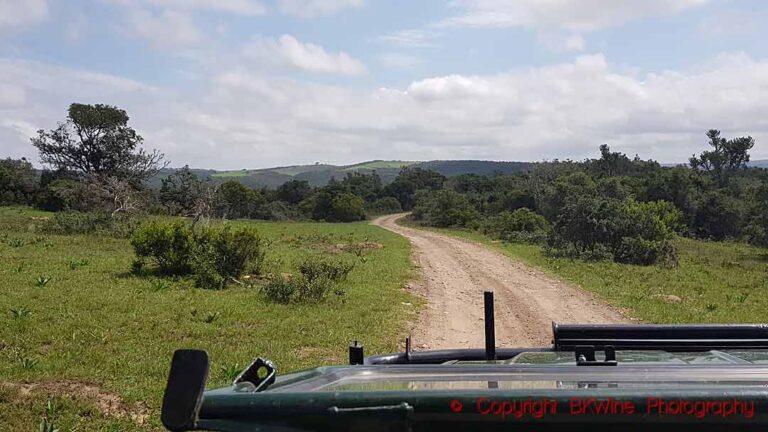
(455, 274)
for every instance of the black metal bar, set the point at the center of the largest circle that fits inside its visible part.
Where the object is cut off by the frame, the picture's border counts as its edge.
(356, 354)
(490, 327)
(442, 356)
(667, 337)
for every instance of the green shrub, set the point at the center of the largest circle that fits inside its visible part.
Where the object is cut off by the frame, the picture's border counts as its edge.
(169, 245)
(74, 222)
(280, 289)
(214, 255)
(626, 231)
(313, 268)
(520, 226)
(315, 280)
(225, 253)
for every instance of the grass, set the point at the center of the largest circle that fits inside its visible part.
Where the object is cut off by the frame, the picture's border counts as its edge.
(716, 282)
(93, 330)
(231, 174)
(379, 164)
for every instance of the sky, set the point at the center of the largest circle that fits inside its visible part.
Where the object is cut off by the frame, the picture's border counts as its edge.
(232, 84)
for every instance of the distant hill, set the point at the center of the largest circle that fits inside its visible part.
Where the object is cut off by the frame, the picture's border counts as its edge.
(320, 174)
(760, 163)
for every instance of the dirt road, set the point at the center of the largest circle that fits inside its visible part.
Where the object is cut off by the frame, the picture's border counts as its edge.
(455, 274)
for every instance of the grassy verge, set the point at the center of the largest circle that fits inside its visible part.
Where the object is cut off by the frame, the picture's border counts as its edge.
(716, 282)
(97, 341)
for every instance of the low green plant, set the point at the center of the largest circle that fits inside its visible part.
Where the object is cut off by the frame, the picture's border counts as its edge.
(28, 363)
(42, 281)
(231, 372)
(75, 264)
(47, 426)
(315, 280)
(279, 289)
(213, 255)
(210, 317)
(159, 285)
(20, 311)
(16, 242)
(222, 254)
(168, 244)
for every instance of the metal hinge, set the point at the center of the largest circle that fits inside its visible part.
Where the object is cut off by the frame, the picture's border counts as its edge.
(585, 356)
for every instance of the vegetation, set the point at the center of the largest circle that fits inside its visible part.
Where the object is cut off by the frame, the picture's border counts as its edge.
(626, 210)
(95, 332)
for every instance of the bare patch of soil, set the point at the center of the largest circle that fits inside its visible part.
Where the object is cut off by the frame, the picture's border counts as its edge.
(109, 404)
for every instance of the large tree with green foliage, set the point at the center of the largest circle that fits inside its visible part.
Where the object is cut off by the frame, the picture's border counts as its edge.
(18, 181)
(726, 157)
(96, 140)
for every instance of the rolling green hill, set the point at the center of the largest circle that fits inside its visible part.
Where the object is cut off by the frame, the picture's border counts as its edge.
(319, 174)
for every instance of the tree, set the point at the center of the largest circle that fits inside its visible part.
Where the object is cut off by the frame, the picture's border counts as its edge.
(235, 200)
(96, 140)
(445, 208)
(293, 192)
(18, 182)
(409, 181)
(347, 207)
(725, 158)
(180, 191)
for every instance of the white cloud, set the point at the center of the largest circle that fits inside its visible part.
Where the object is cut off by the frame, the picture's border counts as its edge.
(570, 15)
(237, 119)
(166, 30)
(311, 8)
(417, 38)
(237, 7)
(560, 24)
(15, 13)
(399, 61)
(289, 51)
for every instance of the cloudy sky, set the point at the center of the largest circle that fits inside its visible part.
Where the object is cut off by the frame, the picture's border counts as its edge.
(232, 84)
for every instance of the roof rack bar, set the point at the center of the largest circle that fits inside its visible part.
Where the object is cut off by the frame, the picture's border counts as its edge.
(669, 337)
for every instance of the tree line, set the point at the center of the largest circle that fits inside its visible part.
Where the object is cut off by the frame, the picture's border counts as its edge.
(613, 206)
(94, 162)
(610, 207)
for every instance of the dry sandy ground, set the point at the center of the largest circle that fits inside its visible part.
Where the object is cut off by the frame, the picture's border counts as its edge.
(527, 301)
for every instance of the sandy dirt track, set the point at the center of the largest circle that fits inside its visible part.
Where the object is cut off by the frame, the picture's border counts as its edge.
(455, 274)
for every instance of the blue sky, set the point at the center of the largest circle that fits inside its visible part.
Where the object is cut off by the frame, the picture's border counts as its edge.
(232, 84)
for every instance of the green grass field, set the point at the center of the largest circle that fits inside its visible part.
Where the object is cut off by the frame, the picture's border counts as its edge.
(97, 341)
(231, 174)
(714, 283)
(379, 165)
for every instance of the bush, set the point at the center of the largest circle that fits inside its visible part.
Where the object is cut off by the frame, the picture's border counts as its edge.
(313, 268)
(628, 232)
(212, 255)
(313, 283)
(169, 244)
(520, 226)
(73, 222)
(225, 253)
(280, 289)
